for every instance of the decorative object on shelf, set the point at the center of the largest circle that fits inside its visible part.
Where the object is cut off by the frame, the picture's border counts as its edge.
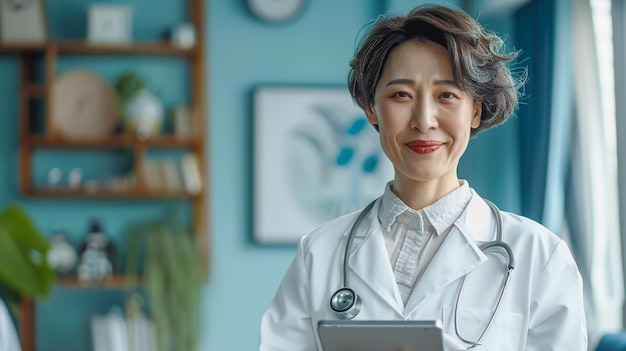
(62, 256)
(22, 21)
(276, 11)
(141, 112)
(127, 85)
(96, 255)
(183, 36)
(24, 271)
(143, 115)
(55, 177)
(84, 106)
(318, 142)
(109, 24)
(75, 178)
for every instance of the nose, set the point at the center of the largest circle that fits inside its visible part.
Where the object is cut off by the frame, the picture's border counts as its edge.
(424, 115)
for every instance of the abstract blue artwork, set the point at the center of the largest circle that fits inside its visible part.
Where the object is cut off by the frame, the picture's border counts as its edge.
(316, 157)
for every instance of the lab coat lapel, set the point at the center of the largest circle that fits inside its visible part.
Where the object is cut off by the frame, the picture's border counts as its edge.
(369, 263)
(458, 254)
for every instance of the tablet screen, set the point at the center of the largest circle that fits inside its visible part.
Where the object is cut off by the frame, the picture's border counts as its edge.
(349, 335)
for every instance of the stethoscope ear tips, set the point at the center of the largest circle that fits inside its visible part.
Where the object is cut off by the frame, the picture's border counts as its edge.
(345, 303)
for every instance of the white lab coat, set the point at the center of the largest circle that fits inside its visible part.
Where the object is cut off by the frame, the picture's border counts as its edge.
(542, 309)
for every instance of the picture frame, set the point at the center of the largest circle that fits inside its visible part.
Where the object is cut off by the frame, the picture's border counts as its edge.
(109, 24)
(316, 157)
(23, 22)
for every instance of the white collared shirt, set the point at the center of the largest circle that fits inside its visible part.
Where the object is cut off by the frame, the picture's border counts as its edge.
(412, 237)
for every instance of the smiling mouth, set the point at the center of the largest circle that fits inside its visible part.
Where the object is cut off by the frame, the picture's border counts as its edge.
(424, 146)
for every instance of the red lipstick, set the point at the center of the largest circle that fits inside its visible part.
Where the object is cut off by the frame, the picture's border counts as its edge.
(424, 146)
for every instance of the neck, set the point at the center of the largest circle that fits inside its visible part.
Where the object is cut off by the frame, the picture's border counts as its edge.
(418, 195)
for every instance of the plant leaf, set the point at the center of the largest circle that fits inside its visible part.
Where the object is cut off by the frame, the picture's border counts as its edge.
(15, 268)
(23, 251)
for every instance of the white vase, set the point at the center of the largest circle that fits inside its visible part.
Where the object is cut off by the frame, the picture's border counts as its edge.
(144, 115)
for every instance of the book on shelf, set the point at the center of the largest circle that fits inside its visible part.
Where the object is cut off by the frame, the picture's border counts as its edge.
(171, 174)
(175, 174)
(191, 173)
(115, 332)
(151, 174)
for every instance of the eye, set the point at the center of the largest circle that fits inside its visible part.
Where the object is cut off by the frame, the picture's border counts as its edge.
(402, 95)
(448, 95)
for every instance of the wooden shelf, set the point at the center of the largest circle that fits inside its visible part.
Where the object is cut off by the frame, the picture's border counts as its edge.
(110, 282)
(35, 90)
(16, 48)
(81, 47)
(136, 48)
(107, 194)
(38, 65)
(118, 141)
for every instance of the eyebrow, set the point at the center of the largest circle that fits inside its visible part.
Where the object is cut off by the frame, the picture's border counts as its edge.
(412, 82)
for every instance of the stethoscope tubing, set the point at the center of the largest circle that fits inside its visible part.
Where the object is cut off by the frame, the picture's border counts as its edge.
(346, 255)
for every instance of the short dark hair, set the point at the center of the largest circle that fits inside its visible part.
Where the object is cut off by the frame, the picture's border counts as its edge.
(479, 64)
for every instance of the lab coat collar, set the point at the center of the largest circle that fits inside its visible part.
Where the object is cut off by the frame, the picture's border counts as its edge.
(478, 220)
(369, 262)
(371, 221)
(457, 256)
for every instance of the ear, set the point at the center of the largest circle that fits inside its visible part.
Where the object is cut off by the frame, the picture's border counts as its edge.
(371, 116)
(478, 112)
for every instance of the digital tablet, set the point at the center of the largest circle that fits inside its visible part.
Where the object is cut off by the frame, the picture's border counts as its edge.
(347, 335)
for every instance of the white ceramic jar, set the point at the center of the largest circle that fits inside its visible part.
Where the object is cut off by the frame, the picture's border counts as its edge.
(144, 115)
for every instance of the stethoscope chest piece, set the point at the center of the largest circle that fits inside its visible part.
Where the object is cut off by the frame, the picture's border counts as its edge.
(345, 303)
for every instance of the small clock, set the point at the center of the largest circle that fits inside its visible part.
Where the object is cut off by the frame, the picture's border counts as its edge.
(276, 11)
(84, 106)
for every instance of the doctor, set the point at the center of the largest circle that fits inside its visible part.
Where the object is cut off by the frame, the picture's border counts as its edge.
(429, 82)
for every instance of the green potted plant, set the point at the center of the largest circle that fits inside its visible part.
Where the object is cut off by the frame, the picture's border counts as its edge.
(24, 270)
(141, 111)
(165, 251)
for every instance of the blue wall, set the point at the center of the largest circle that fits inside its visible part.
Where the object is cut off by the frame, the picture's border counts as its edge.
(242, 53)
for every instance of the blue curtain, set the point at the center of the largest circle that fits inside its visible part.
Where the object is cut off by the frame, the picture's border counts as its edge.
(557, 175)
(533, 27)
(546, 111)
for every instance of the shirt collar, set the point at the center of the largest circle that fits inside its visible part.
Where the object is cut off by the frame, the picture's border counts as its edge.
(441, 214)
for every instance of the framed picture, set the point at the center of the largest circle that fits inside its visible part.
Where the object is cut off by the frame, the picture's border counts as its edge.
(316, 157)
(22, 21)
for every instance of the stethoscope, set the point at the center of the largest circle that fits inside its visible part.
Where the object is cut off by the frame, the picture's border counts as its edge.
(347, 304)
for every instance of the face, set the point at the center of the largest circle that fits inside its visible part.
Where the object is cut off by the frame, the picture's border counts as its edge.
(423, 116)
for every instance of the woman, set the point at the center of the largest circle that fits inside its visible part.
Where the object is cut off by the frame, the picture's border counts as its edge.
(429, 82)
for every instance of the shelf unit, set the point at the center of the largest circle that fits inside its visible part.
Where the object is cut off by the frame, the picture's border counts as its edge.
(32, 55)
(31, 142)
